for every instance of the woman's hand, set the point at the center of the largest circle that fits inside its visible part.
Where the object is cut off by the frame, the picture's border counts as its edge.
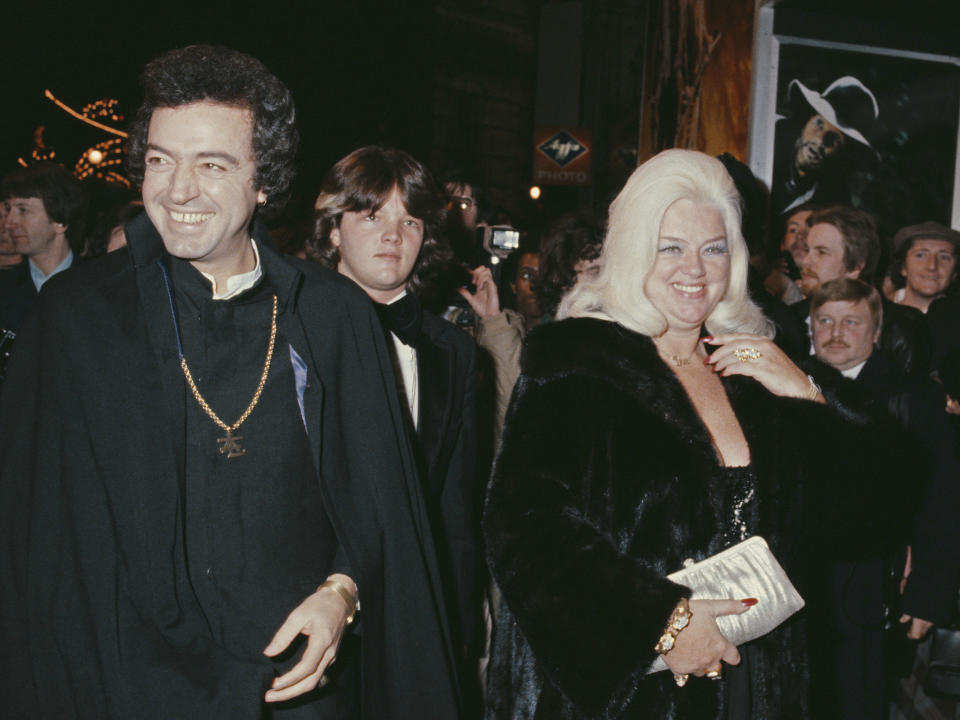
(758, 357)
(700, 647)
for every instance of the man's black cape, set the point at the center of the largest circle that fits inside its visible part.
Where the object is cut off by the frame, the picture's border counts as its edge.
(98, 617)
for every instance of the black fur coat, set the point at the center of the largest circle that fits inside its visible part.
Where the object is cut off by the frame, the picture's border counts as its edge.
(601, 489)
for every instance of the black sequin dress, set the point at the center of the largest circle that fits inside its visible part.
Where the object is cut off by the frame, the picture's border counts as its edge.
(733, 491)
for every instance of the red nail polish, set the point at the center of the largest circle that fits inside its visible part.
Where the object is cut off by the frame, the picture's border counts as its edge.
(706, 360)
(707, 339)
(749, 602)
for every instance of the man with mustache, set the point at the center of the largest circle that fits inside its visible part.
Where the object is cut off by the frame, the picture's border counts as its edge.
(843, 242)
(846, 317)
(812, 142)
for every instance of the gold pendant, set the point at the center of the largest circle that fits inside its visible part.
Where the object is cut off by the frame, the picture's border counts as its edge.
(230, 445)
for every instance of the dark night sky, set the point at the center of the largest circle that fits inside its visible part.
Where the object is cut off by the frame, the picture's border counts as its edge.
(360, 71)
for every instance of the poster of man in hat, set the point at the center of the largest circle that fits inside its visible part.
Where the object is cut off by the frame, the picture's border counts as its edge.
(875, 129)
(814, 144)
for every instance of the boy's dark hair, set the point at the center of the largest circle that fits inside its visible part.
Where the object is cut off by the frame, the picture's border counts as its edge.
(362, 181)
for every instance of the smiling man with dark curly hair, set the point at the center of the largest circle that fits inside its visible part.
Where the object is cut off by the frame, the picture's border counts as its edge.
(193, 526)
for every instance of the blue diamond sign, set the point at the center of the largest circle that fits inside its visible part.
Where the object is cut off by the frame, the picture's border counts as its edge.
(562, 147)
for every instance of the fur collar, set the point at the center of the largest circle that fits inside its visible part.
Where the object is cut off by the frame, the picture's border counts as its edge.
(629, 361)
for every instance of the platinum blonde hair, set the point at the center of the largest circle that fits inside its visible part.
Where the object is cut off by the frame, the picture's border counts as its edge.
(630, 248)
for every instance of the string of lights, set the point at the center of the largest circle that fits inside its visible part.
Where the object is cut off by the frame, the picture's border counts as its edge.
(95, 161)
(83, 117)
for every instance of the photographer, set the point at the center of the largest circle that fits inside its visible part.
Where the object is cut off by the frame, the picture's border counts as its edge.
(500, 331)
(781, 282)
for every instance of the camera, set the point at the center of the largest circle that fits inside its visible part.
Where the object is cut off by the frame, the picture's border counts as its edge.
(499, 240)
(787, 265)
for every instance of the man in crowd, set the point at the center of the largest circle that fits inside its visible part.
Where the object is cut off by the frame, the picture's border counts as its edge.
(822, 134)
(10, 279)
(44, 207)
(923, 263)
(379, 219)
(842, 242)
(190, 528)
(781, 281)
(795, 233)
(846, 317)
(9, 257)
(523, 269)
(464, 196)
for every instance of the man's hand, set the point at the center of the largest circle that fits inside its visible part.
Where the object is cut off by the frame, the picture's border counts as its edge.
(485, 302)
(953, 407)
(918, 626)
(322, 617)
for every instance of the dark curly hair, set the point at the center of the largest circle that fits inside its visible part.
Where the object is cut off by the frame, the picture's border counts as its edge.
(217, 74)
(362, 181)
(569, 239)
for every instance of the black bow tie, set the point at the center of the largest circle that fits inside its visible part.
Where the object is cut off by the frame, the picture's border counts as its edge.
(402, 318)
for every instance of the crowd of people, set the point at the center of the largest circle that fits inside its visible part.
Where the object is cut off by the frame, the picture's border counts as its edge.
(416, 471)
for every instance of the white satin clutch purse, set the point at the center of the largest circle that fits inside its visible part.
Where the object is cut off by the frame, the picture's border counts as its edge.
(747, 569)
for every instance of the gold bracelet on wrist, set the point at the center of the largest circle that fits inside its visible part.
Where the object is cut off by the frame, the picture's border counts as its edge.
(814, 392)
(679, 619)
(351, 600)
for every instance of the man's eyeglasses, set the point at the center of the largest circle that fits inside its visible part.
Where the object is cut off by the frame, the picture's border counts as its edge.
(463, 203)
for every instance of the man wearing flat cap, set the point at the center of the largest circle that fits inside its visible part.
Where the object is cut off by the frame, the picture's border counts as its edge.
(923, 266)
(822, 130)
(923, 263)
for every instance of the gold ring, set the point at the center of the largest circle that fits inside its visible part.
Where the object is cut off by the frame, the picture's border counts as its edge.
(747, 353)
(715, 673)
(680, 679)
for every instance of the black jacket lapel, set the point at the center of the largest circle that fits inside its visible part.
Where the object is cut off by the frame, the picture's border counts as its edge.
(286, 282)
(146, 249)
(434, 371)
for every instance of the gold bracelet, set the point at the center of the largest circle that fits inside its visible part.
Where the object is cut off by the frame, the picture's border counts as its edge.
(679, 619)
(814, 392)
(353, 604)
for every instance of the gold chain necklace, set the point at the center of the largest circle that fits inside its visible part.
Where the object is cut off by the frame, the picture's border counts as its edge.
(230, 445)
(677, 360)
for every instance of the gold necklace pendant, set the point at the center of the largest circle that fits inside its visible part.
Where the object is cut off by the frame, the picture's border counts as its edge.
(230, 445)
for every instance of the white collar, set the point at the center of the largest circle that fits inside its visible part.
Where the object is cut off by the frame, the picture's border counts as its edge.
(853, 372)
(237, 284)
(397, 298)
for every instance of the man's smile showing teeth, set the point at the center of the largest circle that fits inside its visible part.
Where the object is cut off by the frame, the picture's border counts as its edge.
(688, 288)
(193, 218)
